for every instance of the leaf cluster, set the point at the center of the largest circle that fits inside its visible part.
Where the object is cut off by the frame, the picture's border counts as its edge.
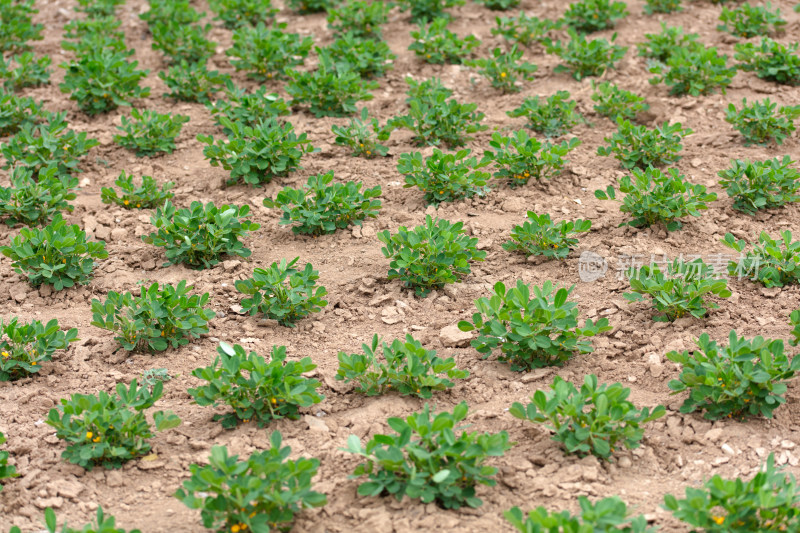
(444, 177)
(531, 330)
(362, 136)
(552, 117)
(761, 184)
(267, 52)
(254, 389)
(145, 196)
(503, 69)
(322, 206)
(525, 30)
(149, 132)
(262, 492)
(519, 157)
(427, 459)
(587, 16)
(773, 262)
(109, 430)
(538, 235)
(25, 346)
(201, 235)
(436, 44)
(641, 147)
(57, 254)
(283, 292)
(770, 60)
(750, 21)
(607, 515)
(596, 420)
(192, 82)
(584, 58)
(763, 121)
(36, 202)
(430, 256)
(159, 317)
(409, 369)
(616, 103)
(329, 91)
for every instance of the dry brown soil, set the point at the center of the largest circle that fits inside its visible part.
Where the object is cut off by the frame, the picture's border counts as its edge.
(678, 451)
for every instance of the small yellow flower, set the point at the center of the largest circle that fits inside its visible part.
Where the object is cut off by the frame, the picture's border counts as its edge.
(33, 363)
(369, 153)
(274, 401)
(138, 205)
(88, 434)
(502, 74)
(96, 439)
(235, 528)
(126, 202)
(718, 519)
(5, 354)
(252, 514)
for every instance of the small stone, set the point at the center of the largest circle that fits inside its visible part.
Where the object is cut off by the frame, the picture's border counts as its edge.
(199, 444)
(102, 233)
(118, 234)
(367, 231)
(770, 292)
(513, 205)
(316, 424)
(231, 264)
(452, 337)
(356, 231)
(19, 294)
(90, 223)
(148, 264)
(114, 478)
(696, 162)
(727, 449)
(625, 462)
(44, 503)
(713, 435)
(45, 290)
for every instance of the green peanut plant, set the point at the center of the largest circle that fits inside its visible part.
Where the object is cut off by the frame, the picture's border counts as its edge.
(695, 70)
(237, 13)
(763, 121)
(429, 256)
(596, 420)
(7, 471)
(57, 254)
(247, 108)
(608, 514)
(148, 195)
(256, 154)
(552, 117)
(653, 7)
(109, 430)
(584, 58)
(639, 146)
(525, 30)
(18, 27)
(533, 327)
(102, 80)
(660, 46)
(329, 91)
(254, 389)
(409, 369)
(322, 206)
(200, 235)
(616, 103)
(746, 378)
(503, 69)
(36, 202)
(159, 317)
(283, 292)
(760, 185)
(772, 262)
(262, 492)
(362, 19)
(770, 60)
(427, 459)
(519, 157)
(767, 502)
(148, 132)
(427, 10)
(25, 346)
(748, 21)
(39, 146)
(436, 44)
(539, 235)
(680, 290)
(362, 136)
(654, 196)
(267, 53)
(192, 82)
(444, 177)
(588, 16)
(435, 119)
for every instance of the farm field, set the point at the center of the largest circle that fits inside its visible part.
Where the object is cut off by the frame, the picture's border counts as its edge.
(678, 450)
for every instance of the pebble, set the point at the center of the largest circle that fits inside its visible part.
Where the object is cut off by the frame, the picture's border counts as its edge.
(452, 337)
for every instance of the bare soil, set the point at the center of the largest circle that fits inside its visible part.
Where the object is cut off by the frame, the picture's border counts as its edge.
(678, 450)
